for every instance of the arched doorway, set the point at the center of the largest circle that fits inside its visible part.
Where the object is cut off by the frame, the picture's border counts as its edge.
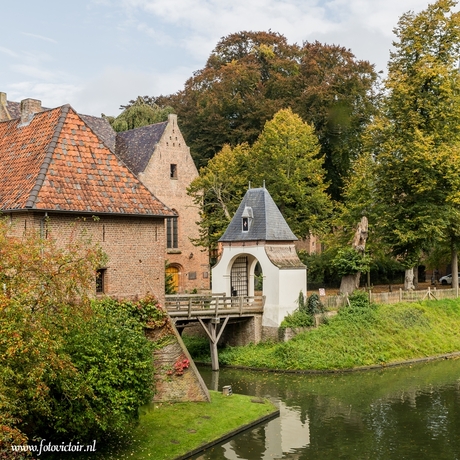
(239, 276)
(246, 276)
(173, 278)
(258, 279)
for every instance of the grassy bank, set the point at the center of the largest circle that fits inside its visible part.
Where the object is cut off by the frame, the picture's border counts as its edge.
(168, 431)
(361, 336)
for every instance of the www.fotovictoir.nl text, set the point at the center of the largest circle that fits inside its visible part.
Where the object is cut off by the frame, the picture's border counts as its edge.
(45, 447)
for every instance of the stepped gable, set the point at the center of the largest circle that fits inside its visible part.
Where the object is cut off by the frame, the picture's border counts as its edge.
(55, 162)
(268, 224)
(135, 147)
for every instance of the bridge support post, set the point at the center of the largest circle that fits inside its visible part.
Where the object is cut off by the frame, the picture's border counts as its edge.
(214, 336)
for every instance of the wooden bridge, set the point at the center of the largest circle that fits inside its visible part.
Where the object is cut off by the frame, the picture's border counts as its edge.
(213, 312)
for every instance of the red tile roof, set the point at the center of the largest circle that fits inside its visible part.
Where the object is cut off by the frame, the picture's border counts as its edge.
(57, 163)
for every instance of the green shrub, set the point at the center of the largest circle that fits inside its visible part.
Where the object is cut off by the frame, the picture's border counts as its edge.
(303, 316)
(359, 306)
(297, 319)
(198, 347)
(113, 378)
(348, 261)
(314, 305)
(359, 299)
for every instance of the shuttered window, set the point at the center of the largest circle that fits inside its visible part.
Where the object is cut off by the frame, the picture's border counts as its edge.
(171, 233)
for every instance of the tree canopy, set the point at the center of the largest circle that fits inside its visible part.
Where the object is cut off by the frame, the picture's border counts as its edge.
(141, 112)
(286, 157)
(250, 76)
(417, 134)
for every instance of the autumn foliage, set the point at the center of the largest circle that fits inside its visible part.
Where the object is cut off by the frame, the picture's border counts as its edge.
(71, 368)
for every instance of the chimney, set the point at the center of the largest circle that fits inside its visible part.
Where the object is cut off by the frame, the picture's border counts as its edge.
(29, 107)
(4, 114)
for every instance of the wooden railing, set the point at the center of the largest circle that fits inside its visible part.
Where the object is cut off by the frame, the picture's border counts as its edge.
(198, 305)
(335, 302)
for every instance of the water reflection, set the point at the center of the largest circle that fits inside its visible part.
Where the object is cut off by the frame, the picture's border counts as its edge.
(399, 413)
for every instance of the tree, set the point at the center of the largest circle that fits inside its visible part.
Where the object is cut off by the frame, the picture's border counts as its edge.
(69, 368)
(218, 192)
(141, 112)
(352, 261)
(250, 76)
(416, 138)
(286, 158)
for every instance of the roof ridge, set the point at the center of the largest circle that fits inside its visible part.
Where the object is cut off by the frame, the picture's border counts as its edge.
(99, 136)
(47, 160)
(120, 159)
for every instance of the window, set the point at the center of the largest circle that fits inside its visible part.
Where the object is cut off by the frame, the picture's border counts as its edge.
(100, 281)
(173, 171)
(247, 218)
(171, 233)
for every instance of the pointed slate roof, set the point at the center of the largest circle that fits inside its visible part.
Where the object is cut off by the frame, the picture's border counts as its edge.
(135, 147)
(57, 163)
(268, 223)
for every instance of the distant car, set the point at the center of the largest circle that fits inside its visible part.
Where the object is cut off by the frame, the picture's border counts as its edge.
(447, 279)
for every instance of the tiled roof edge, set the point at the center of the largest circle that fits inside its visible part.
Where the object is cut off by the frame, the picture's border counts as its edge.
(120, 159)
(46, 162)
(91, 213)
(82, 115)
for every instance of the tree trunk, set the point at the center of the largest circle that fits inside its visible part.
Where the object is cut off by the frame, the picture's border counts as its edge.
(409, 279)
(351, 282)
(454, 268)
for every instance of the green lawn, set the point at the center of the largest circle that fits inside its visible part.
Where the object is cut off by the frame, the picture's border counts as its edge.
(170, 430)
(358, 337)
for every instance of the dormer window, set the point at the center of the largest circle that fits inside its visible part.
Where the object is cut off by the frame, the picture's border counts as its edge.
(247, 218)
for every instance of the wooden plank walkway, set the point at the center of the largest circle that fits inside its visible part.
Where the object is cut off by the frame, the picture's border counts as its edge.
(194, 306)
(213, 312)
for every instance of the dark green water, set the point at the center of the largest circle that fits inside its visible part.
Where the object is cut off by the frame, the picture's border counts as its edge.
(398, 413)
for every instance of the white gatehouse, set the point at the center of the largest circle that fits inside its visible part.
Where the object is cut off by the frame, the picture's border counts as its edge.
(258, 250)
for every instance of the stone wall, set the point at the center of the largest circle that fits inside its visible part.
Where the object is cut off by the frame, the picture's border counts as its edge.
(243, 332)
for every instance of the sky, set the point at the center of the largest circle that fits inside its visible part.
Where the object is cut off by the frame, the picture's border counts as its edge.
(99, 54)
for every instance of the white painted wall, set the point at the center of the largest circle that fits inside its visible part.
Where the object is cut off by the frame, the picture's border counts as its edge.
(281, 287)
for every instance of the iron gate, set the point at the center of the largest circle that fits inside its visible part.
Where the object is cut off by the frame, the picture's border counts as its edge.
(239, 277)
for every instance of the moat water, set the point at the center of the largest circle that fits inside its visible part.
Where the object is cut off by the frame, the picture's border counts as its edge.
(409, 412)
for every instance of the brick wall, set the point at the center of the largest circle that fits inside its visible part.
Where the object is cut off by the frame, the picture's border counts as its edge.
(134, 246)
(172, 150)
(170, 386)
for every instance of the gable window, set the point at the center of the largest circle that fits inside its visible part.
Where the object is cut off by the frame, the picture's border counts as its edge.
(100, 281)
(171, 233)
(246, 219)
(173, 171)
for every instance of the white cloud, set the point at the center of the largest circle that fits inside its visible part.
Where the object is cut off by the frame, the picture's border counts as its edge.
(40, 37)
(34, 72)
(51, 95)
(119, 49)
(115, 86)
(8, 52)
(363, 25)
